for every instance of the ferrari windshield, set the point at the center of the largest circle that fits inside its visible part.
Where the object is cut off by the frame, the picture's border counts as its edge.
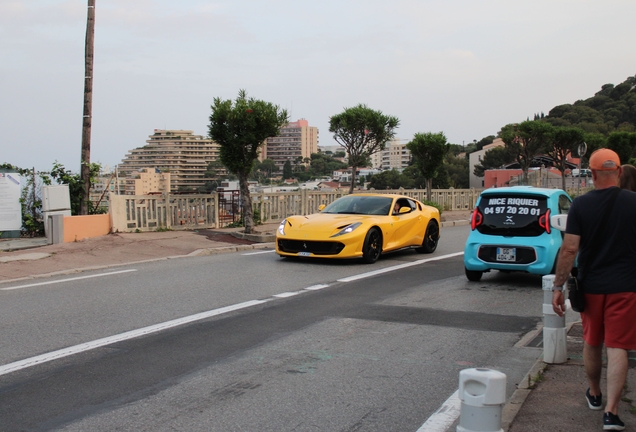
(366, 205)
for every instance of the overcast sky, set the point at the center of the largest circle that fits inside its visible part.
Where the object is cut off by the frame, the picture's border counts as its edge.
(462, 67)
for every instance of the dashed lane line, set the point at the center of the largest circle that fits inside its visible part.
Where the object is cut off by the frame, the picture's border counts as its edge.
(397, 267)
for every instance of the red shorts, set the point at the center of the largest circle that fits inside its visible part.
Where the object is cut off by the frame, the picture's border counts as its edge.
(610, 318)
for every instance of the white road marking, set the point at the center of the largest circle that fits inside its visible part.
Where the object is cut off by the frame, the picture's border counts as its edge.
(258, 253)
(444, 417)
(286, 294)
(316, 287)
(65, 352)
(66, 280)
(397, 267)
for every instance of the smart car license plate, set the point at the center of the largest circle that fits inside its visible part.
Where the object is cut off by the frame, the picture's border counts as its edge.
(304, 253)
(506, 254)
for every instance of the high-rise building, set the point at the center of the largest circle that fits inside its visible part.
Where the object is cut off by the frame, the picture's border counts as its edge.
(296, 141)
(395, 155)
(181, 153)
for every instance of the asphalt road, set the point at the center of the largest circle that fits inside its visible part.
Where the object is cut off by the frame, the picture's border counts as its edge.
(283, 345)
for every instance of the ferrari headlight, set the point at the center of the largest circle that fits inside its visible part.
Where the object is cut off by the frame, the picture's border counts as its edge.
(281, 227)
(348, 229)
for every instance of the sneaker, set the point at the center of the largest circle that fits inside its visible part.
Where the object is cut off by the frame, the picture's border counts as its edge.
(594, 402)
(612, 422)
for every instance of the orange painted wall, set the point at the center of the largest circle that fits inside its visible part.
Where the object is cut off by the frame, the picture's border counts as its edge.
(77, 228)
(499, 178)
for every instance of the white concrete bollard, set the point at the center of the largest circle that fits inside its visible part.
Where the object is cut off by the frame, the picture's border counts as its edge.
(483, 394)
(554, 334)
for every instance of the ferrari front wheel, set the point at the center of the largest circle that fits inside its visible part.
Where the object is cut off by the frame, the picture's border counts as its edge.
(431, 238)
(372, 247)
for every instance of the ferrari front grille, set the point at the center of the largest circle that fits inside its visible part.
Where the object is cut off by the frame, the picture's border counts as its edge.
(315, 247)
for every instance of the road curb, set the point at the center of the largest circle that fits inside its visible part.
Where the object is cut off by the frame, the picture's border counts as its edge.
(229, 249)
(455, 223)
(266, 237)
(516, 401)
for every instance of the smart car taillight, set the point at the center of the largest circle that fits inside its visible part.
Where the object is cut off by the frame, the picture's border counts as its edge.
(476, 219)
(544, 221)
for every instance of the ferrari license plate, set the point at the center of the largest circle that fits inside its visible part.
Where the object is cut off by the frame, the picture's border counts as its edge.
(304, 253)
(506, 254)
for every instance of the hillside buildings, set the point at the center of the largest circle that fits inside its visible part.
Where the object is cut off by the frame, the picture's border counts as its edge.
(296, 141)
(475, 158)
(179, 158)
(331, 149)
(178, 152)
(541, 171)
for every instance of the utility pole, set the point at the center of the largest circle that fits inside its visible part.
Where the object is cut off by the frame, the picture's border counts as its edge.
(85, 172)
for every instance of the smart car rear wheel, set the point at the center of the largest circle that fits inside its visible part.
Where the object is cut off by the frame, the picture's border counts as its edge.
(372, 247)
(431, 238)
(473, 275)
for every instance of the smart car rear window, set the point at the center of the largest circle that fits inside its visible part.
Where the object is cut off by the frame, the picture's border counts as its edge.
(512, 215)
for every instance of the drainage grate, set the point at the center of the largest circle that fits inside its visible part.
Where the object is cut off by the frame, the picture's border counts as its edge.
(536, 342)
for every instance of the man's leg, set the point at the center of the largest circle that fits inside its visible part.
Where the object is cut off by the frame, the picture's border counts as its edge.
(593, 359)
(617, 361)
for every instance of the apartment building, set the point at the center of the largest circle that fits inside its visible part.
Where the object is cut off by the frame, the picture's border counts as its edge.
(178, 152)
(296, 141)
(147, 181)
(395, 155)
(108, 183)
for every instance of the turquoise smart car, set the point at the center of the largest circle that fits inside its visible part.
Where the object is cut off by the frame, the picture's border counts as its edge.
(510, 231)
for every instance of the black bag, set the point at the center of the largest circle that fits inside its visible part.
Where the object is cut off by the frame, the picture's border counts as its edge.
(575, 294)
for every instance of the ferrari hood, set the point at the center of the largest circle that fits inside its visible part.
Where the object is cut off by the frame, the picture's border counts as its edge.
(320, 225)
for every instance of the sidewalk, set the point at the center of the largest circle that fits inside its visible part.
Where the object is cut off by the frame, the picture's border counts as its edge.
(556, 401)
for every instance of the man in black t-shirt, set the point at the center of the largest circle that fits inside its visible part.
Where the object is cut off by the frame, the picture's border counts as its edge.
(609, 281)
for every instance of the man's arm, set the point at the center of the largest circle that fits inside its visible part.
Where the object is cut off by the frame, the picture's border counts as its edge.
(567, 255)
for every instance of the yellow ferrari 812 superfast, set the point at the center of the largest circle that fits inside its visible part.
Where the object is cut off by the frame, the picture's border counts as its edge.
(361, 226)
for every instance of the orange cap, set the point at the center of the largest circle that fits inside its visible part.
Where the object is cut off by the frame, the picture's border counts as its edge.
(604, 160)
